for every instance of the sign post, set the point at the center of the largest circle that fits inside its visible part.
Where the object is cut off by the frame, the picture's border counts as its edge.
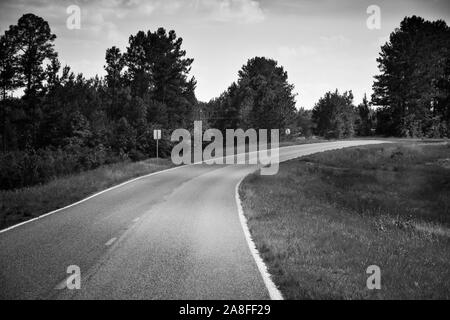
(157, 136)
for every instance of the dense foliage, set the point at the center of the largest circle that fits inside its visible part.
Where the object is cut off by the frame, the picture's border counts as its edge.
(334, 115)
(413, 89)
(411, 95)
(262, 98)
(65, 123)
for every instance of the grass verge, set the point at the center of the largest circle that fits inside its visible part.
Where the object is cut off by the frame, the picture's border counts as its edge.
(26, 203)
(323, 219)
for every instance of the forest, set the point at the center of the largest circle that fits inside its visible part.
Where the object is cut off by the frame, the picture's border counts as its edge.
(65, 123)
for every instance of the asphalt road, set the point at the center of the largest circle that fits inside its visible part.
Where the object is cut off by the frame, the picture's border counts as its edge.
(173, 235)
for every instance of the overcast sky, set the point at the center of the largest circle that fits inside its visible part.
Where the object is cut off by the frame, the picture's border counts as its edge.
(323, 44)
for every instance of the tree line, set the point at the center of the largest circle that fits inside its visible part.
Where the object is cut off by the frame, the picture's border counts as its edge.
(411, 95)
(65, 122)
(413, 88)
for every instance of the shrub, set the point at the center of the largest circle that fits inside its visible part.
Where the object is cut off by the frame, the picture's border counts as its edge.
(25, 168)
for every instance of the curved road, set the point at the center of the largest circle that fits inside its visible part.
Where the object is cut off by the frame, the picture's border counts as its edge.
(172, 235)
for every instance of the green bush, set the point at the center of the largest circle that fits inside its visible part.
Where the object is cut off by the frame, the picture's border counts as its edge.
(25, 168)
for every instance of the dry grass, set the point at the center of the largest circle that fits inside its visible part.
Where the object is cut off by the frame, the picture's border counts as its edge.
(325, 218)
(26, 203)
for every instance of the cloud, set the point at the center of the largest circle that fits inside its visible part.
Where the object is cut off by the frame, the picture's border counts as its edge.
(306, 50)
(335, 40)
(286, 52)
(241, 11)
(119, 11)
(95, 24)
(236, 11)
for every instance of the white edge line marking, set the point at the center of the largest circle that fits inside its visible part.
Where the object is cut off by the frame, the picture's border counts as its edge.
(101, 192)
(127, 182)
(110, 242)
(94, 195)
(274, 292)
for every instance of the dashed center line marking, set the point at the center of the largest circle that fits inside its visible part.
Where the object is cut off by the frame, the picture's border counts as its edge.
(110, 242)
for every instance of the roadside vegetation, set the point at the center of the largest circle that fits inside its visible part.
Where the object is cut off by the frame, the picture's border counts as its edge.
(320, 222)
(26, 203)
(323, 219)
(66, 123)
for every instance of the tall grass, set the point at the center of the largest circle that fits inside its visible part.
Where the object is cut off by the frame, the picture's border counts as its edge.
(325, 218)
(405, 181)
(22, 204)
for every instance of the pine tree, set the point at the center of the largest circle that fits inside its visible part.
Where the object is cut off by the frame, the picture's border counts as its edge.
(33, 40)
(157, 68)
(266, 89)
(411, 64)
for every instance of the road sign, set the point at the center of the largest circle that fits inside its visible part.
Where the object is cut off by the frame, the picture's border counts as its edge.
(157, 137)
(156, 134)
